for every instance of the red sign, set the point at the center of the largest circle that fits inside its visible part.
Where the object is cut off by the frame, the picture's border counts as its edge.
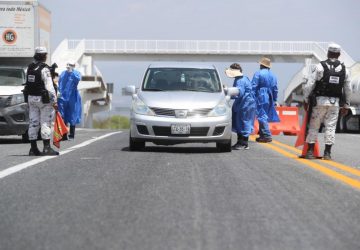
(9, 36)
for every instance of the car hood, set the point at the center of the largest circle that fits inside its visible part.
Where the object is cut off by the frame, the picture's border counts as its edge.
(11, 90)
(181, 99)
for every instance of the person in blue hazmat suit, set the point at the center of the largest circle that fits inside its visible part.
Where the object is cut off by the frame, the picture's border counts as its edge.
(69, 100)
(264, 84)
(244, 107)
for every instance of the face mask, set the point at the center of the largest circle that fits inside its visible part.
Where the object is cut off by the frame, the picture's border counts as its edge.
(69, 69)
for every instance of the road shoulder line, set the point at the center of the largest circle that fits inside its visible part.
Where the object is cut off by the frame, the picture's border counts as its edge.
(317, 166)
(22, 166)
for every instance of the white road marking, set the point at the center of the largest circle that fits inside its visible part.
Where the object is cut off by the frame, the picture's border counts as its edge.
(90, 158)
(19, 167)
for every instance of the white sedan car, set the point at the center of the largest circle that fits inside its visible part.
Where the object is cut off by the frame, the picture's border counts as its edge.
(180, 103)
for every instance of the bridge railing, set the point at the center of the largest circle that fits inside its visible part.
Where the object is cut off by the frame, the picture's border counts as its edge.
(311, 48)
(195, 46)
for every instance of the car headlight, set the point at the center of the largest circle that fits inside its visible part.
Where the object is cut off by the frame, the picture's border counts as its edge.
(141, 108)
(15, 99)
(220, 110)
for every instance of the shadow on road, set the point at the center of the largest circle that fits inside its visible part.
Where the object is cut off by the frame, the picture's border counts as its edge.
(178, 150)
(27, 155)
(11, 141)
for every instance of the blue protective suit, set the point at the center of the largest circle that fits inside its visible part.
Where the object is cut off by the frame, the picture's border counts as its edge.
(244, 107)
(264, 84)
(69, 102)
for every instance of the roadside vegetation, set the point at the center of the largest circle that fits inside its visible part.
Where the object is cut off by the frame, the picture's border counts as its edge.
(113, 122)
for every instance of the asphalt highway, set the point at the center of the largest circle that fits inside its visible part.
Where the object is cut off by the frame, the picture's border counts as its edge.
(99, 195)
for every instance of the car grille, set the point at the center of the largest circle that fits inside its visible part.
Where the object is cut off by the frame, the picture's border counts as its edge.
(171, 112)
(164, 112)
(194, 131)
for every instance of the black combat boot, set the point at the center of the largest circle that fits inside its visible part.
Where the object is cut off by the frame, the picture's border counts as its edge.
(34, 151)
(327, 152)
(310, 151)
(47, 149)
(72, 132)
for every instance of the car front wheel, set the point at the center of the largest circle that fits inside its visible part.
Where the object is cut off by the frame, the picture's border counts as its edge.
(135, 145)
(25, 137)
(224, 146)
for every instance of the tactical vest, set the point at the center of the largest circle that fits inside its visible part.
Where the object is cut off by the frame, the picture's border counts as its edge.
(332, 83)
(34, 83)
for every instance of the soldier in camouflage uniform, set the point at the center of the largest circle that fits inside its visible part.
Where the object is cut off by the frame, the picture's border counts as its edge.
(329, 84)
(40, 94)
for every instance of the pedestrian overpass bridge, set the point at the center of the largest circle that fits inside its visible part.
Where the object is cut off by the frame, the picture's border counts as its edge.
(96, 95)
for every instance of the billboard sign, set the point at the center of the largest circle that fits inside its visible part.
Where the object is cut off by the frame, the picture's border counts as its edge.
(17, 30)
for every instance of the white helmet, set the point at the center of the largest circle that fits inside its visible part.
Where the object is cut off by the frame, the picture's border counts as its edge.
(333, 47)
(40, 50)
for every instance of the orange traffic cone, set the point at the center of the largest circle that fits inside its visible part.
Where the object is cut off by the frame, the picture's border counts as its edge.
(300, 141)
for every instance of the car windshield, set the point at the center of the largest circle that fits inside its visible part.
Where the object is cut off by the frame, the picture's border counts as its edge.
(11, 77)
(181, 79)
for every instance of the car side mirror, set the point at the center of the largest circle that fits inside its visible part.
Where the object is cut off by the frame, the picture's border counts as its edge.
(129, 90)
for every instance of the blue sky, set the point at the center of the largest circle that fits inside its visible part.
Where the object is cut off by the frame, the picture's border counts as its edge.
(275, 20)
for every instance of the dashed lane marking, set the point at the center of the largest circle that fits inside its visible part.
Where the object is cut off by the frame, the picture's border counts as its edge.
(22, 166)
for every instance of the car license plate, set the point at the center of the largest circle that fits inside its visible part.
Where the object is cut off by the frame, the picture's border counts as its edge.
(180, 129)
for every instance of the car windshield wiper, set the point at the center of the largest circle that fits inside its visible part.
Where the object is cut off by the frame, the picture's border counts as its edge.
(153, 89)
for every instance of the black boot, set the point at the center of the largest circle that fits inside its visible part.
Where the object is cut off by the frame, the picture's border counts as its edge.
(246, 143)
(47, 149)
(310, 151)
(327, 152)
(239, 142)
(65, 137)
(72, 132)
(34, 151)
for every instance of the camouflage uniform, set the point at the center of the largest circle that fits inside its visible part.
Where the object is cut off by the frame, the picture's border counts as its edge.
(40, 113)
(327, 108)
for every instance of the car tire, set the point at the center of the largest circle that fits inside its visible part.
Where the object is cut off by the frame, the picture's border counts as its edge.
(25, 137)
(136, 145)
(224, 146)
